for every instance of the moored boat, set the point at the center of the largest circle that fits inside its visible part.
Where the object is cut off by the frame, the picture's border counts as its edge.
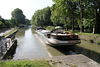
(57, 37)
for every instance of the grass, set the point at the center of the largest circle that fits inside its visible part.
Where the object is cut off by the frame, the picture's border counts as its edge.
(78, 32)
(98, 42)
(75, 31)
(89, 34)
(10, 32)
(91, 40)
(50, 27)
(25, 63)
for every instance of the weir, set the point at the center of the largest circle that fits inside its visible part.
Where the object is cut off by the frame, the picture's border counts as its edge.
(7, 45)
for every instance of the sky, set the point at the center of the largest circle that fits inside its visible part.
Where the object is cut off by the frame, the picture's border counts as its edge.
(27, 6)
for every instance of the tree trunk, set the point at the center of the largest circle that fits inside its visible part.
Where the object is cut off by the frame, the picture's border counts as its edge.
(94, 29)
(95, 22)
(66, 27)
(73, 23)
(81, 18)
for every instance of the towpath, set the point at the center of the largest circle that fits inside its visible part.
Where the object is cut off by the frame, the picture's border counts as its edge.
(5, 32)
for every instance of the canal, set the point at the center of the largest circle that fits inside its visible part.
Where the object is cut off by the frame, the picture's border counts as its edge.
(29, 46)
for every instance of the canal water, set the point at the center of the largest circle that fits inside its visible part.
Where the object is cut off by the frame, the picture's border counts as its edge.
(29, 46)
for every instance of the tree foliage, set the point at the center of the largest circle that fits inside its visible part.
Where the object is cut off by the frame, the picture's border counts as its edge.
(27, 21)
(77, 13)
(4, 23)
(42, 17)
(17, 17)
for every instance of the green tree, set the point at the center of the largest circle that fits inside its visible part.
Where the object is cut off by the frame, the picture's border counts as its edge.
(54, 15)
(95, 5)
(64, 11)
(17, 17)
(92, 15)
(27, 21)
(81, 4)
(2, 22)
(8, 24)
(42, 17)
(59, 13)
(72, 11)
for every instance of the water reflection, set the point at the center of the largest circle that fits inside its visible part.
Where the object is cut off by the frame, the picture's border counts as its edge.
(61, 50)
(20, 33)
(29, 47)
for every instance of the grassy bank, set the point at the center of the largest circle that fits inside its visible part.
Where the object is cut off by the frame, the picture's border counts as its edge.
(90, 37)
(25, 63)
(11, 32)
(75, 31)
(78, 32)
(50, 27)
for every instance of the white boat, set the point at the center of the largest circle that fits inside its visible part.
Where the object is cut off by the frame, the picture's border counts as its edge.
(55, 38)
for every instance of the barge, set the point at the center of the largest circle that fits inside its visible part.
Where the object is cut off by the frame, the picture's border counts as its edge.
(56, 37)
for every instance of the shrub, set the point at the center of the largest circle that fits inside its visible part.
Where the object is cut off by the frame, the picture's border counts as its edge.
(98, 42)
(50, 27)
(91, 40)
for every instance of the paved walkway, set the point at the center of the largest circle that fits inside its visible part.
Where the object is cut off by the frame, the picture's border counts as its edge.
(5, 32)
(71, 61)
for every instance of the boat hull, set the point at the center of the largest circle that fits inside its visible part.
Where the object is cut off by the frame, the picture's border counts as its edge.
(55, 42)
